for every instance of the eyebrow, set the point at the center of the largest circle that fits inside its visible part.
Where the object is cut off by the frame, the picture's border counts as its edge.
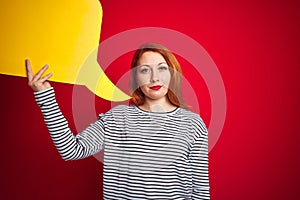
(150, 65)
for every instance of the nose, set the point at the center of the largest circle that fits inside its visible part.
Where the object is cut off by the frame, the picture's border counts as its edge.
(154, 76)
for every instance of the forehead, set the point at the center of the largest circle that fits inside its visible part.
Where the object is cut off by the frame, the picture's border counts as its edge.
(150, 57)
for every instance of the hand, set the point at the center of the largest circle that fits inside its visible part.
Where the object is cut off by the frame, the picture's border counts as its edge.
(36, 82)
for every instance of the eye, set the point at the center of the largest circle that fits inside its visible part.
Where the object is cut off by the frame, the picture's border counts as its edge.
(163, 67)
(144, 70)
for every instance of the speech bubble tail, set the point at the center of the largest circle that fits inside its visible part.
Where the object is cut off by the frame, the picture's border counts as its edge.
(93, 77)
(107, 90)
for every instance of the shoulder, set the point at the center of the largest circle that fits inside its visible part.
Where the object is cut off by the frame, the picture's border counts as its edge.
(196, 121)
(116, 112)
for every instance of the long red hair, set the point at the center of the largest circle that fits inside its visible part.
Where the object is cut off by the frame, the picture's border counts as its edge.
(175, 88)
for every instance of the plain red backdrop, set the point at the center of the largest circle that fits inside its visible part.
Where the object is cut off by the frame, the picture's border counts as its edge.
(255, 45)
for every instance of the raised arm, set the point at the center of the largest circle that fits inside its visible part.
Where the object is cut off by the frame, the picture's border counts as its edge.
(70, 147)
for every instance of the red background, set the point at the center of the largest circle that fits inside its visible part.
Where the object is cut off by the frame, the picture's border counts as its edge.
(255, 45)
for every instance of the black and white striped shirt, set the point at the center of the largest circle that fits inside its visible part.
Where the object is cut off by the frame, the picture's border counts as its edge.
(147, 155)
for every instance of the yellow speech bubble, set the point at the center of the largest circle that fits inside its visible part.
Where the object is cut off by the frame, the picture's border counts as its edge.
(65, 34)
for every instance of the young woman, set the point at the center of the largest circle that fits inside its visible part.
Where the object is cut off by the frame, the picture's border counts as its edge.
(153, 148)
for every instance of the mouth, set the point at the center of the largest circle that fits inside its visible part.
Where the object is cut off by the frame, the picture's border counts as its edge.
(156, 87)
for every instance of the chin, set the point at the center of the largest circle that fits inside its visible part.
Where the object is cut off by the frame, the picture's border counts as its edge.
(155, 95)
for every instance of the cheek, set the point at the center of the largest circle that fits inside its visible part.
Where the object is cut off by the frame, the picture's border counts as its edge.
(166, 78)
(142, 80)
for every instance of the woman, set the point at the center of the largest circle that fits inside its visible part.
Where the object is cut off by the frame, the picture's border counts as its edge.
(154, 148)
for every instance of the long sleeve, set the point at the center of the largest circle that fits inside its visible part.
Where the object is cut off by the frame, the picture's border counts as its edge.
(70, 147)
(199, 162)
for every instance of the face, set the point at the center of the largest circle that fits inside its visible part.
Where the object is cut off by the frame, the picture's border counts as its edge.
(153, 75)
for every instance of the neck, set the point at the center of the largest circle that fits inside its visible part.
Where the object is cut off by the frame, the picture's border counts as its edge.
(158, 105)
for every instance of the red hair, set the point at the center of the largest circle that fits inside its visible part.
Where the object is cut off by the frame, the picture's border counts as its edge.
(175, 88)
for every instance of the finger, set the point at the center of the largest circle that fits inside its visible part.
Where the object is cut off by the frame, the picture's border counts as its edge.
(46, 77)
(28, 70)
(40, 73)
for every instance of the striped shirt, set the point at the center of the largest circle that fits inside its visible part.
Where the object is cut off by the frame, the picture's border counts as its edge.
(147, 155)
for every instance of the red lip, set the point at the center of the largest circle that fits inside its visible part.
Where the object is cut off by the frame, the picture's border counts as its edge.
(157, 87)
